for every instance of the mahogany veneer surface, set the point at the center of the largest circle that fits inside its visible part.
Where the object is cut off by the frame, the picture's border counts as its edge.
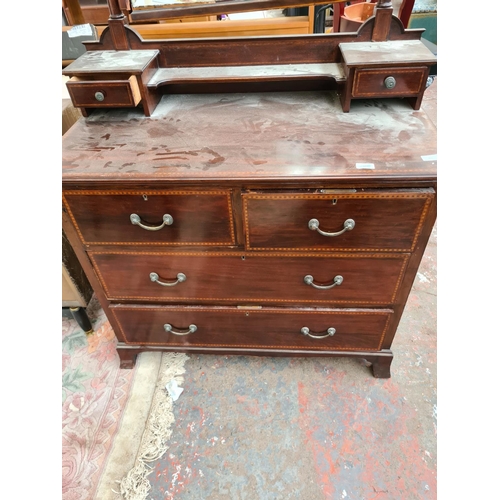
(301, 136)
(242, 175)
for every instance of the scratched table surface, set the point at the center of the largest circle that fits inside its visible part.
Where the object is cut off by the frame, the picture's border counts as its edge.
(234, 137)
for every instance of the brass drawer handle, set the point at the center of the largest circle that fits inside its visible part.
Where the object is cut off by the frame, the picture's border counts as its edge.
(168, 220)
(390, 82)
(330, 333)
(314, 226)
(337, 281)
(191, 329)
(156, 279)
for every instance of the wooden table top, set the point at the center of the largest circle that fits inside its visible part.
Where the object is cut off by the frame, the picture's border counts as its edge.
(252, 137)
(106, 61)
(395, 51)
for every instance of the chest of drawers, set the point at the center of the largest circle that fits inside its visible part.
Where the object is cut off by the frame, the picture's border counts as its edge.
(250, 223)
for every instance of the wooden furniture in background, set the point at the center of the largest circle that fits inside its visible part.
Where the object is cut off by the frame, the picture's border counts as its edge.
(91, 11)
(76, 289)
(402, 7)
(259, 223)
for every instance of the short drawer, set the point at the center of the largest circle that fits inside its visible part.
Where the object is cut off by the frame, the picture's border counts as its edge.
(152, 217)
(385, 82)
(104, 93)
(253, 278)
(268, 328)
(364, 221)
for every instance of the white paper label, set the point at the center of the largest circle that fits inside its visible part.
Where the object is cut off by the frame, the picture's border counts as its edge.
(369, 166)
(430, 157)
(80, 30)
(173, 389)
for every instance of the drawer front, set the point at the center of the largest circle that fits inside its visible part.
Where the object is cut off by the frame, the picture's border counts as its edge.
(104, 93)
(387, 221)
(371, 82)
(238, 278)
(160, 217)
(263, 328)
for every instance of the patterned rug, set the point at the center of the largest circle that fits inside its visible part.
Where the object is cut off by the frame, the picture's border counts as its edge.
(94, 393)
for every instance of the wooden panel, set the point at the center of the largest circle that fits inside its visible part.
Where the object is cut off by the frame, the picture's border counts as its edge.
(264, 328)
(199, 218)
(385, 220)
(370, 82)
(209, 29)
(239, 278)
(215, 8)
(95, 14)
(111, 61)
(116, 93)
(393, 52)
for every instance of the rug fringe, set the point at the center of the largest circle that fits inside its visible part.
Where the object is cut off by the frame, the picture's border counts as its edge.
(135, 485)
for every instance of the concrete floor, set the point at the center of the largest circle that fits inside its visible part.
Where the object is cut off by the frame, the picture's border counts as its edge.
(258, 428)
(279, 428)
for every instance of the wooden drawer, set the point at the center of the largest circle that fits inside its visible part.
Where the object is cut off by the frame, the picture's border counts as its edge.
(196, 217)
(104, 93)
(370, 82)
(383, 221)
(266, 328)
(258, 278)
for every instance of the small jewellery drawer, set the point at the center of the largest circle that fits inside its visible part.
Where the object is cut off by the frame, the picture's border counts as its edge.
(364, 221)
(252, 278)
(267, 328)
(385, 82)
(103, 93)
(152, 217)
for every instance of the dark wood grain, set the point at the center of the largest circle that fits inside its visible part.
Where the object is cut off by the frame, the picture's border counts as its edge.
(244, 51)
(116, 93)
(298, 138)
(411, 272)
(381, 365)
(383, 221)
(71, 233)
(200, 218)
(370, 82)
(382, 25)
(128, 353)
(367, 65)
(264, 328)
(242, 278)
(150, 97)
(280, 153)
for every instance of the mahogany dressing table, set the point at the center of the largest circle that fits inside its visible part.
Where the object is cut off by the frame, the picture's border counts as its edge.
(241, 196)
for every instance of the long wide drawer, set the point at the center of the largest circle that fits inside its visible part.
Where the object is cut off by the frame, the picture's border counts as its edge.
(152, 217)
(323, 329)
(364, 221)
(239, 278)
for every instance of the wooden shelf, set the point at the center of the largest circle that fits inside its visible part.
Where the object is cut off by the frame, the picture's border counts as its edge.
(166, 76)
